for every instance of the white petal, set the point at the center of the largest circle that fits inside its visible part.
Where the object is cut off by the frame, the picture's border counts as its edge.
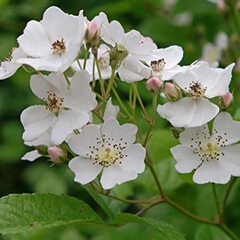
(111, 111)
(119, 133)
(213, 172)
(127, 75)
(179, 113)
(36, 120)
(231, 160)
(43, 139)
(205, 111)
(66, 122)
(172, 55)
(186, 159)
(134, 162)
(34, 41)
(84, 169)
(80, 96)
(115, 175)
(89, 136)
(227, 128)
(31, 156)
(7, 69)
(192, 136)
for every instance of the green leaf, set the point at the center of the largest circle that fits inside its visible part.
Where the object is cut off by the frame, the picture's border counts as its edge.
(21, 212)
(100, 200)
(168, 231)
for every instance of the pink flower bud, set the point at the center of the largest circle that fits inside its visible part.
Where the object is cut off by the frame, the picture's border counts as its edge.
(92, 30)
(172, 92)
(154, 84)
(55, 153)
(227, 100)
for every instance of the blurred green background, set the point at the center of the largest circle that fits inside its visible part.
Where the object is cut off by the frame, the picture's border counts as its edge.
(188, 23)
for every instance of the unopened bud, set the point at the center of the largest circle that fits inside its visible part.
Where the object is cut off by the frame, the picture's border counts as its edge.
(172, 92)
(226, 100)
(56, 154)
(154, 84)
(92, 34)
(117, 54)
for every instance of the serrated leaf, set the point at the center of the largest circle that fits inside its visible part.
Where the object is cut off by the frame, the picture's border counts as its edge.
(22, 212)
(168, 231)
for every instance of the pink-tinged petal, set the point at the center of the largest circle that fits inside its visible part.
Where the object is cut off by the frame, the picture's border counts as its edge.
(66, 122)
(84, 169)
(211, 171)
(179, 113)
(225, 127)
(90, 136)
(125, 133)
(31, 156)
(205, 111)
(134, 158)
(114, 175)
(36, 120)
(34, 41)
(186, 159)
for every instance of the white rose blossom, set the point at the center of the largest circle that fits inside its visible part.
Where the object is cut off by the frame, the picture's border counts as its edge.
(138, 50)
(215, 157)
(200, 82)
(53, 43)
(109, 149)
(10, 66)
(66, 107)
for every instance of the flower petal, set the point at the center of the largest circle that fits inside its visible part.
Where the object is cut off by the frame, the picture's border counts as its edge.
(111, 111)
(134, 162)
(31, 156)
(119, 133)
(211, 171)
(226, 128)
(179, 113)
(115, 175)
(89, 136)
(84, 169)
(66, 122)
(186, 159)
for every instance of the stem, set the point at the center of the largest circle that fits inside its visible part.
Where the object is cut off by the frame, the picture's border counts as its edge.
(66, 77)
(140, 102)
(85, 58)
(228, 232)
(217, 203)
(110, 84)
(230, 186)
(102, 87)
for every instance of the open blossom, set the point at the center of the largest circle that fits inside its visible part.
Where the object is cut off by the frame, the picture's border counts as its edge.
(109, 149)
(65, 108)
(53, 43)
(199, 82)
(132, 42)
(10, 66)
(214, 156)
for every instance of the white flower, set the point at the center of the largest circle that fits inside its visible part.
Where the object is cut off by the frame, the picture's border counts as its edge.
(110, 149)
(53, 43)
(199, 82)
(10, 66)
(162, 63)
(215, 157)
(66, 108)
(103, 61)
(138, 50)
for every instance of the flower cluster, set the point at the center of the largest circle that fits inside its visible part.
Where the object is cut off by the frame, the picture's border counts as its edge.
(69, 53)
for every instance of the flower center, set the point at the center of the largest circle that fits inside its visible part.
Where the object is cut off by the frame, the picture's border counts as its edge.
(105, 153)
(158, 65)
(104, 61)
(196, 89)
(58, 47)
(53, 102)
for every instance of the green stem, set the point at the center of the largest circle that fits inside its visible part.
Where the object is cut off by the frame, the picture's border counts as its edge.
(217, 203)
(66, 77)
(110, 84)
(102, 87)
(85, 58)
(225, 229)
